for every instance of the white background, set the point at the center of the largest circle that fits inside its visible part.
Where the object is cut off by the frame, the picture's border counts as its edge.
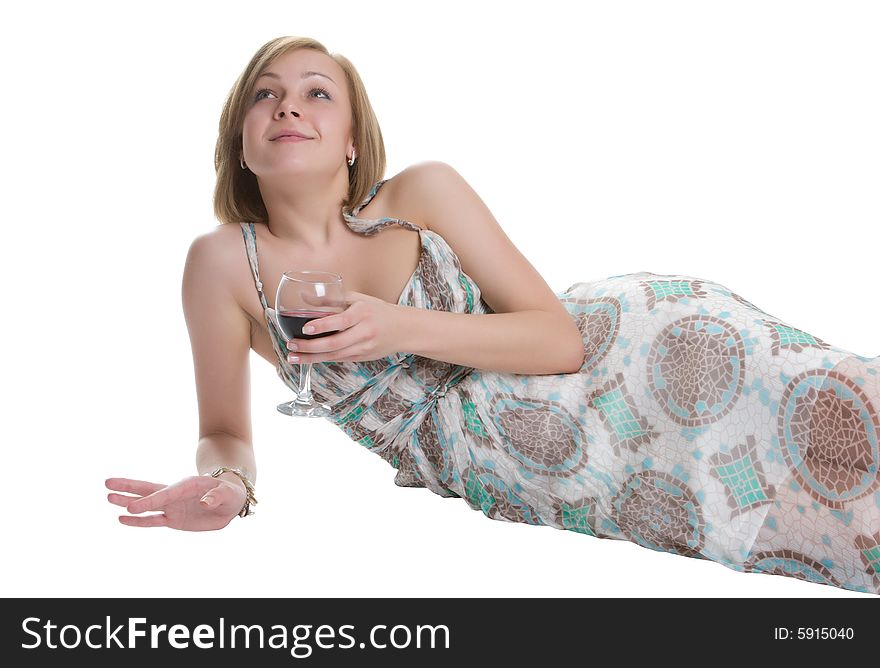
(734, 141)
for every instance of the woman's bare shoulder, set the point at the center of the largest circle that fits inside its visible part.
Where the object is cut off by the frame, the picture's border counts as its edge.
(221, 244)
(409, 187)
(221, 252)
(220, 235)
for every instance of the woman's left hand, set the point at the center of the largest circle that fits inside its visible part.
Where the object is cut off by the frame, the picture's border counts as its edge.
(369, 329)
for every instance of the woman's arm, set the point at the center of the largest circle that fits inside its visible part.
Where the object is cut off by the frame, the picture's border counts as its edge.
(220, 338)
(530, 331)
(527, 342)
(220, 335)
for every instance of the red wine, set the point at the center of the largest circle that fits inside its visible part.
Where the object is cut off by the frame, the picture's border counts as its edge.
(291, 323)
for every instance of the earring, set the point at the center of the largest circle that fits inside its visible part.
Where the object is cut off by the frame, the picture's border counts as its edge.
(351, 159)
(241, 162)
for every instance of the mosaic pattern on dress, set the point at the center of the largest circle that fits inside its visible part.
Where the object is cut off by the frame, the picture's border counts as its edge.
(389, 405)
(488, 492)
(617, 410)
(829, 431)
(580, 516)
(698, 424)
(869, 548)
(541, 435)
(659, 511)
(786, 337)
(792, 564)
(598, 321)
(742, 474)
(695, 369)
(657, 290)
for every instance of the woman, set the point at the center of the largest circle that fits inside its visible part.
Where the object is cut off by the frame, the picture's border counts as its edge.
(665, 410)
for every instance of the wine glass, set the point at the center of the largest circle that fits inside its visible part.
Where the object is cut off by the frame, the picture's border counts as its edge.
(305, 295)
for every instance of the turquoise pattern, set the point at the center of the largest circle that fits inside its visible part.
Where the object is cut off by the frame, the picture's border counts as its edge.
(698, 424)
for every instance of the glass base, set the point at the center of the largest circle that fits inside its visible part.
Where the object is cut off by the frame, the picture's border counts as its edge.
(296, 408)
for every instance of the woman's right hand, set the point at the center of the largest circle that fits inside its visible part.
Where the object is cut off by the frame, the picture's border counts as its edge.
(196, 503)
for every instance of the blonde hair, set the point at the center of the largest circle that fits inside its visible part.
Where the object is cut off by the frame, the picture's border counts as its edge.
(236, 194)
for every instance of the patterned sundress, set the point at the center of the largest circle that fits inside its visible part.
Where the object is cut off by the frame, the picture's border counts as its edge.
(698, 424)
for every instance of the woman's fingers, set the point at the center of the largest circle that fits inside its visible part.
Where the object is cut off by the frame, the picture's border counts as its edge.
(155, 500)
(183, 490)
(140, 487)
(159, 520)
(120, 499)
(335, 343)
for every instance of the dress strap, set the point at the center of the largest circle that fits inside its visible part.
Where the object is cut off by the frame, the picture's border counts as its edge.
(371, 226)
(289, 373)
(250, 243)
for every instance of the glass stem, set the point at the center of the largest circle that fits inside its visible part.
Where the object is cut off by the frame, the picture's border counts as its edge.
(305, 395)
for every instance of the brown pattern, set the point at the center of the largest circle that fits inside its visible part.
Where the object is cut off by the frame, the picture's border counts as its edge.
(829, 435)
(407, 473)
(599, 327)
(361, 434)
(389, 405)
(374, 367)
(542, 435)
(348, 404)
(652, 516)
(430, 446)
(430, 372)
(497, 497)
(329, 371)
(753, 564)
(689, 364)
(399, 456)
(437, 290)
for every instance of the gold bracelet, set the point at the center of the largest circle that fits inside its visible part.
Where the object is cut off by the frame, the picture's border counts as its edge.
(248, 485)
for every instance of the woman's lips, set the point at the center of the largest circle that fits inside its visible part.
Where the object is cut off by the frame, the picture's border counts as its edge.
(292, 138)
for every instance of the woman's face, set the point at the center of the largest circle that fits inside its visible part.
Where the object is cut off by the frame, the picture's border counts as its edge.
(314, 105)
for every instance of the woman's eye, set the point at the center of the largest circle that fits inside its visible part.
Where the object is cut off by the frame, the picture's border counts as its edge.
(260, 92)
